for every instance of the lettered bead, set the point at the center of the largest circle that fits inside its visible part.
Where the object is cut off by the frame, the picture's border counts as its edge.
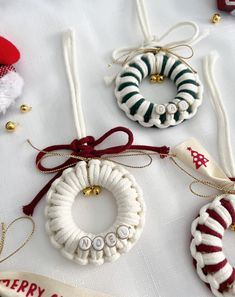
(171, 108)
(183, 105)
(123, 232)
(98, 243)
(111, 239)
(160, 109)
(84, 243)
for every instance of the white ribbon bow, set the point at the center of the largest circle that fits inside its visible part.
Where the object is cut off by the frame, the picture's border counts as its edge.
(119, 54)
(151, 42)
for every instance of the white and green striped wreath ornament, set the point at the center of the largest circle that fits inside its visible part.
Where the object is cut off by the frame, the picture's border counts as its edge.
(153, 58)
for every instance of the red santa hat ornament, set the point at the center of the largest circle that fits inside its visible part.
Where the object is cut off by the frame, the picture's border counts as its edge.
(11, 83)
(226, 5)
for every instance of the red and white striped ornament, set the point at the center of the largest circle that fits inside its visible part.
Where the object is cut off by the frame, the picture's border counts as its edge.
(208, 231)
(11, 83)
(226, 5)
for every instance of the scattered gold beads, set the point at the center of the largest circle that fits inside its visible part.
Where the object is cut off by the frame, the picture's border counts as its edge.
(216, 18)
(25, 108)
(92, 190)
(10, 126)
(156, 78)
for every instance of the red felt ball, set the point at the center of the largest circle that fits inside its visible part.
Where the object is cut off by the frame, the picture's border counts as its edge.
(9, 54)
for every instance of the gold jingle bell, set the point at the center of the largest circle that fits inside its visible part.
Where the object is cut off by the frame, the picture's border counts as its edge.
(25, 108)
(96, 190)
(10, 126)
(87, 191)
(216, 18)
(156, 78)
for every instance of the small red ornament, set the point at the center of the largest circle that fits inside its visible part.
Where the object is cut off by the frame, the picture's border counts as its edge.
(9, 54)
(198, 159)
(226, 5)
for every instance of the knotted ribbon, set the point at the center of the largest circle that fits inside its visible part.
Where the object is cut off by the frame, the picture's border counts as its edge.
(85, 149)
(155, 44)
(123, 56)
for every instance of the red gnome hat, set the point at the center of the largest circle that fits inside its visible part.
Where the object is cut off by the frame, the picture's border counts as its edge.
(9, 54)
(11, 83)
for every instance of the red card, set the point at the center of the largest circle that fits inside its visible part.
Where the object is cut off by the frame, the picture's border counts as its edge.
(226, 5)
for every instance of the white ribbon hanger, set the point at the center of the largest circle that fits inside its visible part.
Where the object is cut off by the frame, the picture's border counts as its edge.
(120, 55)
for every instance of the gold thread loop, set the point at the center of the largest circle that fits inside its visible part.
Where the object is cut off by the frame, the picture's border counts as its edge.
(3, 237)
(226, 189)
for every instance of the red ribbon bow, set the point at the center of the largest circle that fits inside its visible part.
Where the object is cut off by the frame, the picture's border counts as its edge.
(85, 148)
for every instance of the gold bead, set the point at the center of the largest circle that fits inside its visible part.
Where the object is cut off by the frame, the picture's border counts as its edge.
(96, 190)
(232, 227)
(153, 78)
(10, 126)
(216, 18)
(156, 78)
(87, 191)
(25, 108)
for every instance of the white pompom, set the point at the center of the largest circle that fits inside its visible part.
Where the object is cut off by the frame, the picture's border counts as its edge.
(11, 86)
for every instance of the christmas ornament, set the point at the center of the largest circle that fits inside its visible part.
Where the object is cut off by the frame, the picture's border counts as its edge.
(89, 170)
(226, 5)
(208, 231)
(216, 18)
(76, 244)
(216, 217)
(11, 83)
(157, 60)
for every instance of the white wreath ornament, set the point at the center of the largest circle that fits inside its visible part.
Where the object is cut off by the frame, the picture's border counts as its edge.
(79, 246)
(185, 104)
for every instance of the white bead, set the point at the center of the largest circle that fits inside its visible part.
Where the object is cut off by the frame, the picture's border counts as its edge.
(160, 109)
(183, 105)
(123, 232)
(111, 239)
(98, 243)
(84, 243)
(171, 108)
